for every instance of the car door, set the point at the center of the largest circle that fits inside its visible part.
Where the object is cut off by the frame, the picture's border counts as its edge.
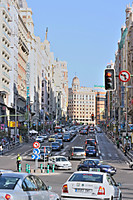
(30, 187)
(42, 188)
(116, 188)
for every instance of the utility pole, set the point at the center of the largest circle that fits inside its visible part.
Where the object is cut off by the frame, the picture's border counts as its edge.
(15, 117)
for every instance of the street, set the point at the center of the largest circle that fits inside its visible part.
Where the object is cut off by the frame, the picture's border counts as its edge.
(108, 153)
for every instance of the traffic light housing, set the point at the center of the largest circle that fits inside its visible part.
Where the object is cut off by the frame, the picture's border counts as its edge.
(92, 117)
(109, 77)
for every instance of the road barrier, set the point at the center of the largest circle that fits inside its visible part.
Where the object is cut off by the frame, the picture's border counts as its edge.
(47, 168)
(19, 167)
(53, 168)
(41, 167)
(28, 168)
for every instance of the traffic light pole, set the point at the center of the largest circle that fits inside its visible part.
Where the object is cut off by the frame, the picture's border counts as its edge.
(126, 113)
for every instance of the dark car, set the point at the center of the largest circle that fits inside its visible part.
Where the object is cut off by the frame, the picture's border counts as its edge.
(48, 152)
(84, 132)
(90, 151)
(61, 142)
(90, 142)
(67, 137)
(87, 164)
(55, 146)
(91, 130)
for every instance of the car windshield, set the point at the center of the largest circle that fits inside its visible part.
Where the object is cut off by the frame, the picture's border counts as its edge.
(55, 144)
(96, 178)
(78, 150)
(90, 148)
(8, 183)
(61, 159)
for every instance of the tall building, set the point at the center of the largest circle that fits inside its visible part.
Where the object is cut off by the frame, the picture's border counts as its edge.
(81, 103)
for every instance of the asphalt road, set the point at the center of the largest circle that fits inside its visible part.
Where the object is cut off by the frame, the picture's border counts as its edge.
(108, 152)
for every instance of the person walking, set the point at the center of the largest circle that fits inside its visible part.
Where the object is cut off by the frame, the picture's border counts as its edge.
(19, 160)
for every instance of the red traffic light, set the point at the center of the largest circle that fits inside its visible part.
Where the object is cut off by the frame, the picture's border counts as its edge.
(109, 74)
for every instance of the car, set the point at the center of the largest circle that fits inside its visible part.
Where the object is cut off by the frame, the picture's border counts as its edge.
(91, 185)
(131, 164)
(77, 152)
(24, 186)
(86, 164)
(91, 130)
(55, 146)
(60, 162)
(48, 152)
(52, 138)
(84, 132)
(59, 135)
(67, 137)
(90, 151)
(45, 136)
(61, 142)
(90, 142)
(40, 139)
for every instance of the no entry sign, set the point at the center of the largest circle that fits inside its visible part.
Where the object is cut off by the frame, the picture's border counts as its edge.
(124, 76)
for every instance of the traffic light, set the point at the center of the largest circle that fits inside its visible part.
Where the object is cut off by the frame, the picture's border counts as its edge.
(126, 136)
(92, 117)
(109, 77)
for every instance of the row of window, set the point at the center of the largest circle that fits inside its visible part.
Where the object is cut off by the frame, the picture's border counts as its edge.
(81, 102)
(80, 106)
(83, 97)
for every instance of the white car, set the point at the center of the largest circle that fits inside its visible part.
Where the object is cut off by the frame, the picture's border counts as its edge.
(60, 162)
(90, 185)
(40, 139)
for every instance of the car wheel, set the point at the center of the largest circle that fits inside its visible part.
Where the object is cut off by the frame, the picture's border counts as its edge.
(131, 166)
(112, 198)
(120, 198)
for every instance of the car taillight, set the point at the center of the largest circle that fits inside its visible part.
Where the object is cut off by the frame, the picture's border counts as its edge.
(95, 143)
(72, 154)
(85, 154)
(86, 142)
(7, 197)
(101, 191)
(65, 189)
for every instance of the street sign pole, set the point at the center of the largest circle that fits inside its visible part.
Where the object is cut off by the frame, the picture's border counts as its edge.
(44, 162)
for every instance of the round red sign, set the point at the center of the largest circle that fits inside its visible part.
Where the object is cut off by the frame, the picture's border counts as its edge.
(124, 76)
(36, 145)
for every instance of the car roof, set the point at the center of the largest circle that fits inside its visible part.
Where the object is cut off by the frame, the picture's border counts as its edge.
(89, 172)
(14, 174)
(57, 157)
(76, 147)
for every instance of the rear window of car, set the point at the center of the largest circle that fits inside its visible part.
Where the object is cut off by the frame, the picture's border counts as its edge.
(95, 178)
(8, 183)
(90, 141)
(78, 150)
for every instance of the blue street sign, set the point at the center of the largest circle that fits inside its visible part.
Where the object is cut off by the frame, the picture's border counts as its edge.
(35, 156)
(36, 151)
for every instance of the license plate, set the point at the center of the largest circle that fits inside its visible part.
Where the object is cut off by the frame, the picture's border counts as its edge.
(83, 190)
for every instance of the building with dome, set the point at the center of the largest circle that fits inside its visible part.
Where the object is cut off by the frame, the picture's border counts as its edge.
(81, 103)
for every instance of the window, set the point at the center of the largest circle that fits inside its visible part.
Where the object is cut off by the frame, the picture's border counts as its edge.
(40, 183)
(30, 183)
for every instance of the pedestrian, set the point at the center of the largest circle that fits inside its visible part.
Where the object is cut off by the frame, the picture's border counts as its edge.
(19, 161)
(117, 142)
(1, 149)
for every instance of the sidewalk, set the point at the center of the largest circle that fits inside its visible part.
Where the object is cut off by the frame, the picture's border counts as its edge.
(129, 153)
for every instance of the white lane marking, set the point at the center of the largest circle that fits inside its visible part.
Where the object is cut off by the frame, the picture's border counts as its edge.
(103, 154)
(63, 153)
(64, 148)
(109, 155)
(27, 152)
(56, 153)
(74, 138)
(116, 155)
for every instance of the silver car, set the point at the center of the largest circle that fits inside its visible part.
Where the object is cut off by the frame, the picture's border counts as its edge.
(24, 186)
(77, 153)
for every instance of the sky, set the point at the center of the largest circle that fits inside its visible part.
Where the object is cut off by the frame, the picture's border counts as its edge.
(84, 33)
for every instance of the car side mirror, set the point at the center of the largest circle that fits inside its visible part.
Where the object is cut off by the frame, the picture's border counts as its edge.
(118, 184)
(49, 187)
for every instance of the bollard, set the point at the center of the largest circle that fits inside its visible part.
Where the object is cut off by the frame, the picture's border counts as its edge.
(47, 168)
(28, 168)
(19, 167)
(53, 168)
(41, 166)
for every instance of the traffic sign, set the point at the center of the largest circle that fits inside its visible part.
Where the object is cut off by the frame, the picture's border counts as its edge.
(35, 156)
(36, 144)
(36, 151)
(124, 76)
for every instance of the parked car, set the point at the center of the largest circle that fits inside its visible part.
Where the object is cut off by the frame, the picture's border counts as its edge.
(91, 185)
(40, 139)
(48, 152)
(87, 164)
(24, 186)
(90, 151)
(55, 146)
(60, 162)
(77, 153)
(52, 138)
(61, 142)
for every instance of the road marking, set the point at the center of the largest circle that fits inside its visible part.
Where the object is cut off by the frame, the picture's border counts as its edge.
(109, 155)
(103, 154)
(74, 138)
(63, 153)
(64, 148)
(56, 153)
(116, 155)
